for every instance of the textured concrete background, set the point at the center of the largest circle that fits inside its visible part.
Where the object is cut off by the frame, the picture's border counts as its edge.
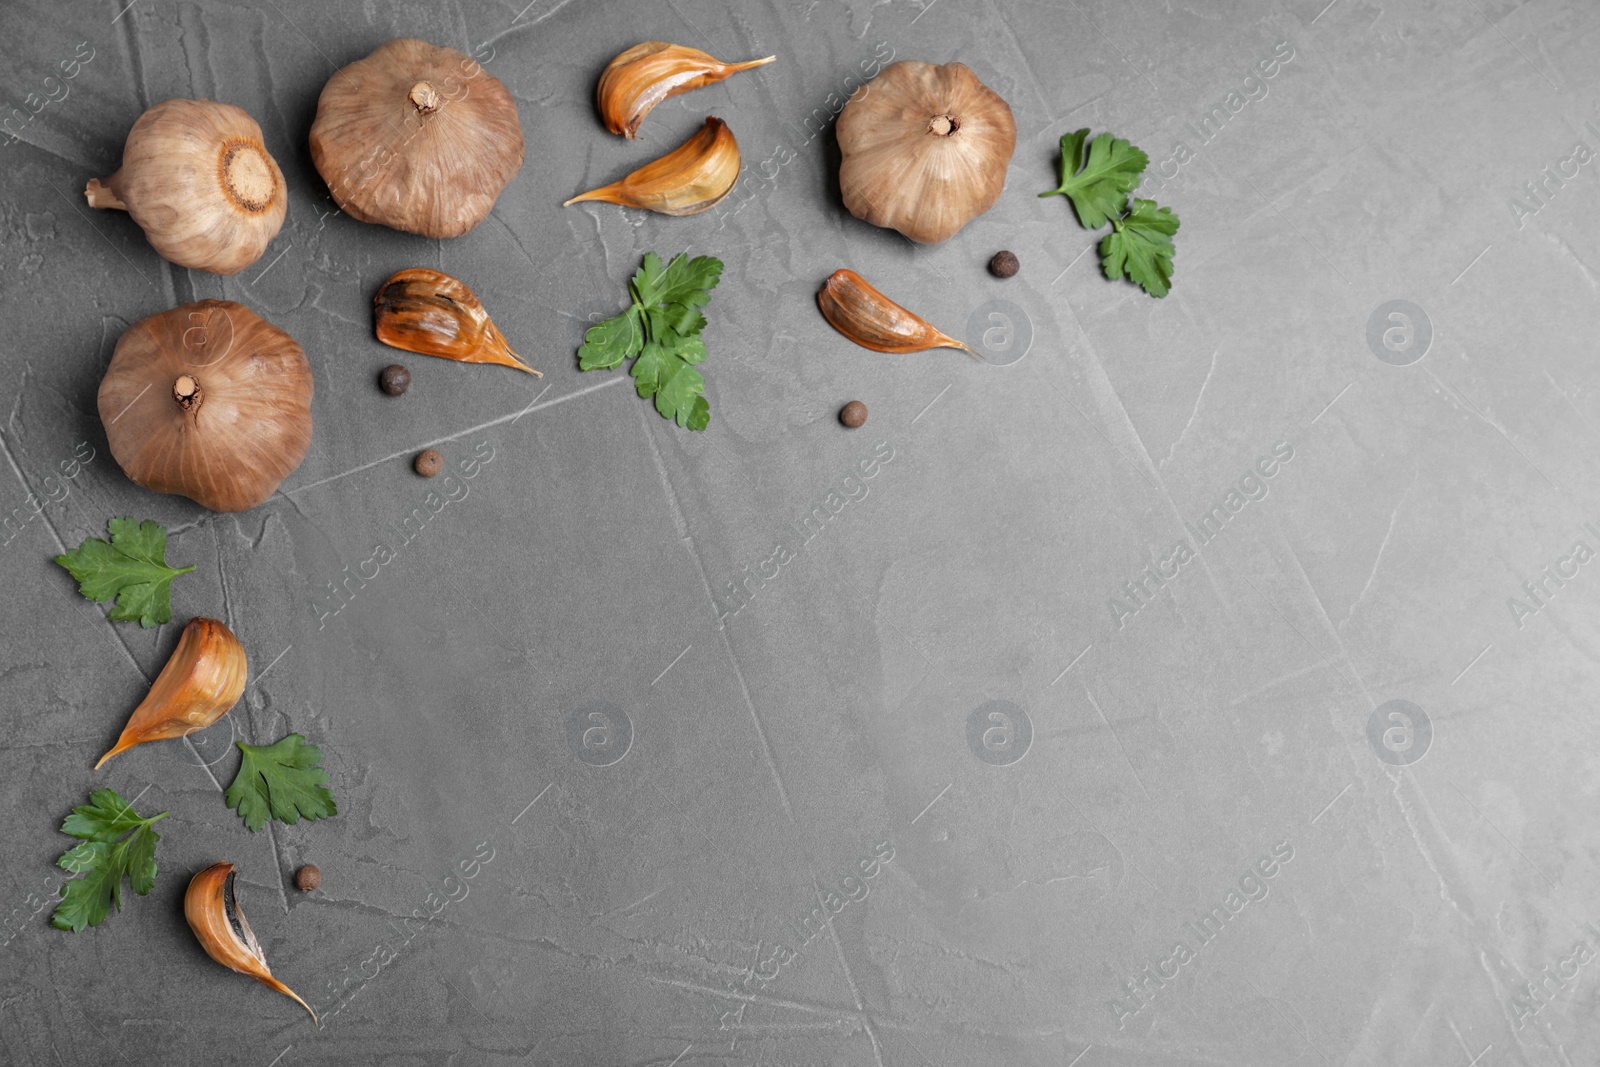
(1052, 776)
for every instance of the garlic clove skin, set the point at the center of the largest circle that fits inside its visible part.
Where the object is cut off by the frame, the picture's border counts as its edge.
(691, 178)
(197, 180)
(428, 312)
(210, 401)
(203, 678)
(870, 319)
(211, 907)
(924, 149)
(640, 78)
(416, 137)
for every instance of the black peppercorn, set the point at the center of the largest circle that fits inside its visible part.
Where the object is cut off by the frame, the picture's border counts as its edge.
(1004, 264)
(307, 878)
(428, 463)
(395, 379)
(853, 414)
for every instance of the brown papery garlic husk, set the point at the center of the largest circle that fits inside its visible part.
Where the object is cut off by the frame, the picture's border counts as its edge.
(691, 178)
(924, 149)
(872, 320)
(197, 180)
(211, 905)
(646, 74)
(428, 312)
(417, 137)
(203, 678)
(210, 401)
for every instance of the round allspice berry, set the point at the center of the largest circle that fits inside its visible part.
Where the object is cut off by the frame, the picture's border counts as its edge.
(307, 878)
(1004, 265)
(853, 414)
(428, 463)
(395, 379)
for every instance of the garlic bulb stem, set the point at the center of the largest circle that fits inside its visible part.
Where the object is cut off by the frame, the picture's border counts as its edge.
(425, 97)
(186, 391)
(100, 196)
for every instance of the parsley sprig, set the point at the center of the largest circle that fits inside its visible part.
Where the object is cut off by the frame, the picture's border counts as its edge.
(130, 568)
(106, 854)
(283, 781)
(660, 332)
(1098, 177)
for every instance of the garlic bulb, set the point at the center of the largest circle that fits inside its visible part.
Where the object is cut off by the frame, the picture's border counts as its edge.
(691, 178)
(211, 907)
(924, 149)
(197, 180)
(417, 137)
(210, 401)
(204, 678)
(637, 80)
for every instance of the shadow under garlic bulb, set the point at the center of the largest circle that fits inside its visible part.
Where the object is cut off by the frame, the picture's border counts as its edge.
(924, 149)
(209, 401)
(197, 180)
(416, 137)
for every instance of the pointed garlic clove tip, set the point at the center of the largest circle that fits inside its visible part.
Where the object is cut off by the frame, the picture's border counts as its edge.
(203, 678)
(211, 907)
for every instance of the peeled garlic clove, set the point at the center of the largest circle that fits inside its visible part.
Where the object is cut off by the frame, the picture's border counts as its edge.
(924, 149)
(691, 178)
(211, 904)
(199, 183)
(873, 321)
(426, 311)
(646, 74)
(203, 678)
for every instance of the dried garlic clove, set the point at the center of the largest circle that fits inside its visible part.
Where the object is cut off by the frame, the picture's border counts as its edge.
(872, 320)
(211, 904)
(646, 74)
(203, 678)
(691, 178)
(426, 311)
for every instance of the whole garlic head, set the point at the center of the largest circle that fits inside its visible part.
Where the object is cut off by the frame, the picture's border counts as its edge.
(210, 401)
(416, 137)
(924, 149)
(200, 184)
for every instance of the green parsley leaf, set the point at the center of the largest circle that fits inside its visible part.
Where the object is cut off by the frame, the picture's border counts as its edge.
(609, 343)
(688, 281)
(676, 386)
(131, 567)
(1098, 182)
(660, 332)
(1139, 247)
(104, 857)
(282, 781)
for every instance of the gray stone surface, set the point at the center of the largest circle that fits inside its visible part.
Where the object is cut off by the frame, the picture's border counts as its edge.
(1051, 792)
